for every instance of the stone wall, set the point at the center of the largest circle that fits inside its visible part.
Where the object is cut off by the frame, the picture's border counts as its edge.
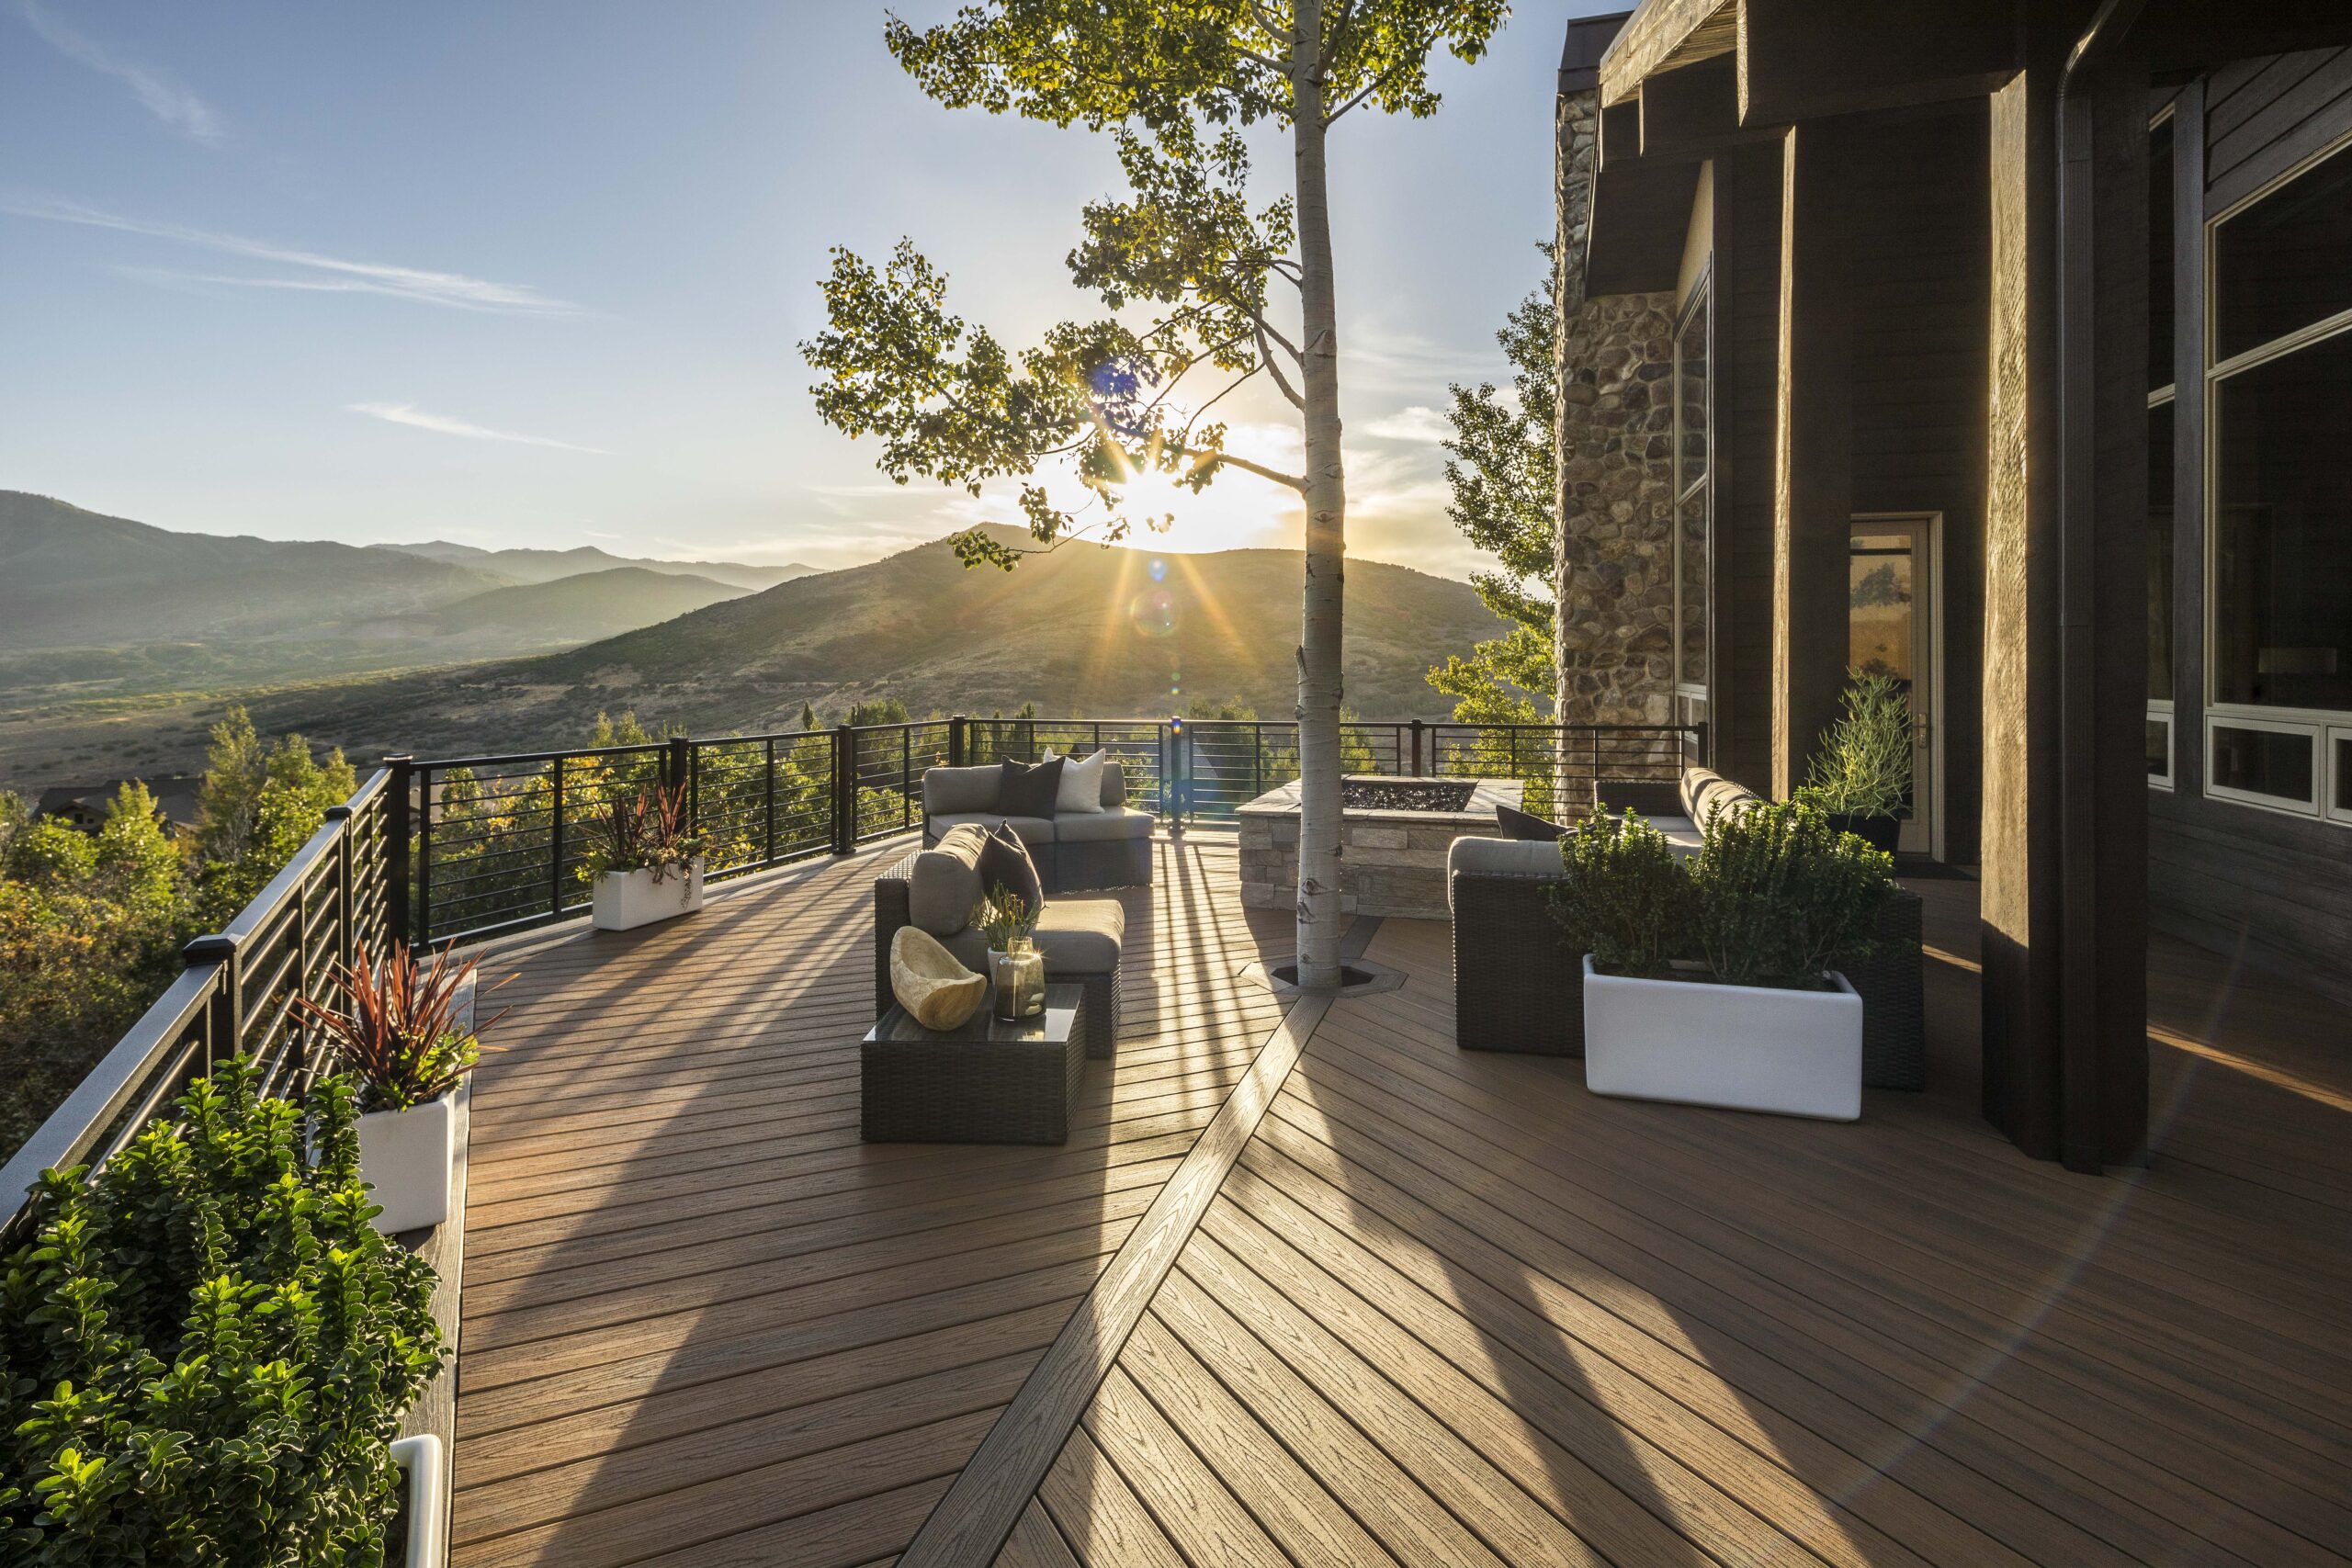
(1389, 867)
(1615, 566)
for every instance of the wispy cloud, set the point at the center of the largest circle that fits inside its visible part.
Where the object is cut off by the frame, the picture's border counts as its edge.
(331, 275)
(158, 91)
(1419, 422)
(417, 418)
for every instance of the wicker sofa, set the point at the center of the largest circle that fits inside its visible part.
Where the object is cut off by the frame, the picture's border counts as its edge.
(1517, 987)
(1083, 941)
(1110, 848)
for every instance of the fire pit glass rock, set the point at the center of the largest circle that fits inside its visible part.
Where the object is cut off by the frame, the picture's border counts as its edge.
(1395, 832)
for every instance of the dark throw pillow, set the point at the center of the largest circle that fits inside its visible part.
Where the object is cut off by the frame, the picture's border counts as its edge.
(1005, 863)
(1030, 789)
(1517, 824)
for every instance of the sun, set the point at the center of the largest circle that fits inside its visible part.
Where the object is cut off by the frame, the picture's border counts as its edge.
(1238, 511)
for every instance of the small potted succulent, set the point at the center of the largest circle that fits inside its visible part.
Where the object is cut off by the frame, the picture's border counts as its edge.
(1860, 777)
(1713, 981)
(644, 860)
(1016, 968)
(398, 1032)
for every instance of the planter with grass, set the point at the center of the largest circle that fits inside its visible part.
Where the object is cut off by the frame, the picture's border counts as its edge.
(644, 861)
(209, 1349)
(1860, 777)
(1713, 981)
(395, 1029)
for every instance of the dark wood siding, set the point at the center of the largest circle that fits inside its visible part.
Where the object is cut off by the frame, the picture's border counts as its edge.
(1921, 275)
(1747, 286)
(2273, 888)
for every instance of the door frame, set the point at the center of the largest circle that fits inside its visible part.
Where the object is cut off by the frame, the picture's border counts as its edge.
(1925, 833)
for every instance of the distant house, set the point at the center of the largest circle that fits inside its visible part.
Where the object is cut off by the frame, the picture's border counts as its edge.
(84, 807)
(2006, 349)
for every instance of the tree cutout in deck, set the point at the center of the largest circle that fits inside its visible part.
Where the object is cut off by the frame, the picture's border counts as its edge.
(1173, 81)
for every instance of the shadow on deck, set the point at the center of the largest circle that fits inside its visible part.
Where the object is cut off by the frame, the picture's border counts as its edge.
(1403, 1303)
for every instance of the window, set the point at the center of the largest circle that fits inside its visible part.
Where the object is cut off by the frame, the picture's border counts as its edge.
(1693, 495)
(2278, 566)
(2160, 750)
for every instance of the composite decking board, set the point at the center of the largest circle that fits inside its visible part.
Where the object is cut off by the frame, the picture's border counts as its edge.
(780, 1343)
(2090, 1405)
(1433, 1295)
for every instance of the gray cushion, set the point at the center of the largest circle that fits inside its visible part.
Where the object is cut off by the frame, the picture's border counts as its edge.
(1029, 789)
(1079, 936)
(1114, 782)
(1110, 825)
(945, 882)
(1706, 791)
(1033, 830)
(949, 791)
(1503, 857)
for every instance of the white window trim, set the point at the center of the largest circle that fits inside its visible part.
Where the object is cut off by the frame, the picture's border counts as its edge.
(2160, 712)
(2237, 718)
(1701, 296)
(2319, 724)
(2330, 738)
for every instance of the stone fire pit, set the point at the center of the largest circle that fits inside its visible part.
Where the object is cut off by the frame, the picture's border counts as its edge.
(1395, 831)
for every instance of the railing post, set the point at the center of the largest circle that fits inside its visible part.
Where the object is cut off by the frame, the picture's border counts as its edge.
(345, 908)
(396, 846)
(844, 789)
(223, 1014)
(555, 842)
(1419, 730)
(768, 806)
(955, 740)
(906, 774)
(424, 929)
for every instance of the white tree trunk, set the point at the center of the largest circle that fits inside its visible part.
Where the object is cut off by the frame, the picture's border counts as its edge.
(1320, 684)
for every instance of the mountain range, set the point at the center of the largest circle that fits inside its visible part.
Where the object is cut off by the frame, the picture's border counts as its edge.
(547, 566)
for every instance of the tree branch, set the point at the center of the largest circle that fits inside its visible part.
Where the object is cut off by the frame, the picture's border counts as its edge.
(1292, 482)
(1282, 382)
(1403, 60)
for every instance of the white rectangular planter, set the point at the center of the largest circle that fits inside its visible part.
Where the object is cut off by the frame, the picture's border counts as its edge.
(406, 1156)
(426, 1489)
(1743, 1047)
(626, 899)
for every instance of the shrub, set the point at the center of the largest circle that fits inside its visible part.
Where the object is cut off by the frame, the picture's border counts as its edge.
(1864, 768)
(206, 1350)
(1783, 895)
(1623, 897)
(644, 830)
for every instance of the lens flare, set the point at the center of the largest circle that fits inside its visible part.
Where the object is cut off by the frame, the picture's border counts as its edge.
(1153, 613)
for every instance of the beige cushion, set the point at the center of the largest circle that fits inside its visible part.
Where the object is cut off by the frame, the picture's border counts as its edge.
(945, 882)
(1081, 936)
(1030, 829)
(1114, 783)
(1082, 787)
(950, 791)
(1706, 791)
(1108, 825)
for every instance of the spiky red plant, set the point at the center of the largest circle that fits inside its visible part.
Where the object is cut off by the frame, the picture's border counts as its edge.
(396, 1029)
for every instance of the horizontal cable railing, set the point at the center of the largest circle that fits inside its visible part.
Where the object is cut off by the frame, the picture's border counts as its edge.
(339, 893)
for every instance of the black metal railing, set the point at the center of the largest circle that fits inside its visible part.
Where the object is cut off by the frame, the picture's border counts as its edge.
(341, 891)
(499, 840)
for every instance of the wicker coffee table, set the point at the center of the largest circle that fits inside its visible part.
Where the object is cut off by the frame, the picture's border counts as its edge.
(985, 1083)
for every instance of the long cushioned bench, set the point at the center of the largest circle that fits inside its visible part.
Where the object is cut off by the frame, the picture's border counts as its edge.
(1110, 848)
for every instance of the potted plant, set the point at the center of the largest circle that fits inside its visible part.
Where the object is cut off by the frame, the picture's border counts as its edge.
(397, 1033)
(209, 1349)
(1713, 981)
(1016, 968)
(644, 860)
(1860, 776)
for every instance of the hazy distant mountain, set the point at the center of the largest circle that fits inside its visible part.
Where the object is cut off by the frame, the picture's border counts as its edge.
(570, 609)
(71, 578)
(1103, 632)
(547, 566)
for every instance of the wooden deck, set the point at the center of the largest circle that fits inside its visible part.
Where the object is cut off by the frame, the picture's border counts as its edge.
(1310, 1285)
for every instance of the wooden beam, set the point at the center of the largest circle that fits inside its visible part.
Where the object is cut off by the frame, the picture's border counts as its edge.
(1640, 214)
(1812, 468)
(1805, 59)
(1691, 109)
(1662, 33)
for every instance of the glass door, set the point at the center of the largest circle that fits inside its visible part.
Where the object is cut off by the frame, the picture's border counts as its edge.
(1890, 603)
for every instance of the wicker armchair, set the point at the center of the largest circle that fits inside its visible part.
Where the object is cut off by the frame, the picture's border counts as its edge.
(1516, 984)
(1081, 939)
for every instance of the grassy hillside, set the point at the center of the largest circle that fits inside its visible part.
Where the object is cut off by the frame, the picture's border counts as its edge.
(572, 609)
(1089, 630)
(71, 578)
(547, 566)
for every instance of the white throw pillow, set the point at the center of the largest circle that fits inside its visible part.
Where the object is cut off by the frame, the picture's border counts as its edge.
(1081, 782)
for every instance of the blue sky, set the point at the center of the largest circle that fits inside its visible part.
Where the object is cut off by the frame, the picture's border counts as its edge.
(534, 274)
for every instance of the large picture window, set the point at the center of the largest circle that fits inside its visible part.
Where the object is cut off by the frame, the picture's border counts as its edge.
(2279, 568)
(1693, 509)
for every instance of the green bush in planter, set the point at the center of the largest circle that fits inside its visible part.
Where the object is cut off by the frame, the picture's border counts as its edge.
(206, 1350)
(1862, 767)
(1622, 895)
(1782, 896)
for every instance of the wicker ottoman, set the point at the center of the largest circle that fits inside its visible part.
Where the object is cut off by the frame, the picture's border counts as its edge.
(985, 1083)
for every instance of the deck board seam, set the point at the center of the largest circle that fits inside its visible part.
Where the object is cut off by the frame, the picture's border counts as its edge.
(972, 1521)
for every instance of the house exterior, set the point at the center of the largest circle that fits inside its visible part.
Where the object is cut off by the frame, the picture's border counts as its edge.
(2006, 348)
(83, 806)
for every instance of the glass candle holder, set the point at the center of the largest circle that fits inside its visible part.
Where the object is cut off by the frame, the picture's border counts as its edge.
(1019, 975)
